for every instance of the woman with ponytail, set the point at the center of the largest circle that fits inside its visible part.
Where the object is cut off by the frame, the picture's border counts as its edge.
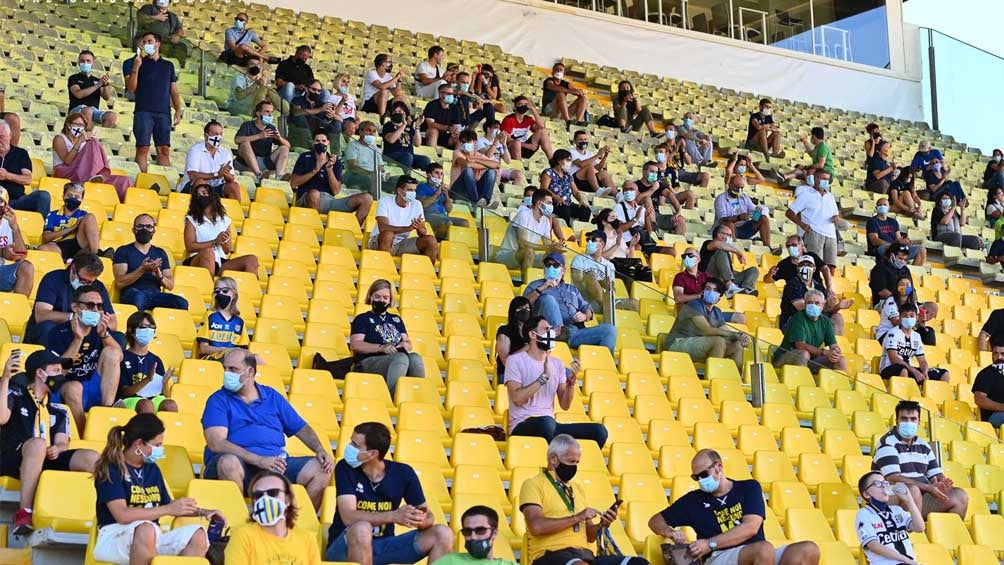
(270, 535)
(132, 497)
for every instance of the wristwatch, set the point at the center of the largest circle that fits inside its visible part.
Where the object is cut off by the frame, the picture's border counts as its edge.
(712, 544)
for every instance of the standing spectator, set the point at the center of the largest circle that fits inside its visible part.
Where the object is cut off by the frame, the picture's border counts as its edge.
(881, 169)
(379, 340)
(629, 113)
(16, 274)
(272, 534)
(369, 491)
(888, 271)
(315, 179)
(210, 163)
(261, 149)
(293, 74)
(938, 185)
(430, 74)
(872, 140)
(526, 133)
(143, 270)
(699, 145)
(15, 174)
(54, 299)
(809, 338)
(762, 134)
(592, 272)
(473, 108)
(240, 42)
(495, 145)
(252, 85)
(223, 328)
(35, 430)
(816, 214)
(86, 92)
(443, 119)
(363, 159)
(555, 98)
(947, 219)
(883, 528)
(473, 174)
(735, 208)
(142, 375)
(883, 230)
(700, 329)
(559, 180)
(565, 309)
(400, 138)
(988, 388)
(311, 109)
(77, 156)
(903, 197)
(155, 84)
(70, 229)
(380, 87)
(526, 237)
(533, 379)
(157, 19)
(510, 338)
(486, 85)
(397, 216)
(437, 203)
(822, 156)
(716, 260)
(901, 344)
(246, 425)
(590, 167)
(209, 235)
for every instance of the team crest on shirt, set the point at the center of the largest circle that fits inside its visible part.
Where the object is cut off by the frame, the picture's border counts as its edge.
(24, 412)
(359, 487)
(706, 505)
(899, 519)
(128, 364)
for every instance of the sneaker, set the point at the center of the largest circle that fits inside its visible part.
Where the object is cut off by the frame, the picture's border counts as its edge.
(626, 129)
(494, 205)
(482, 203)
(733, 290)
(710, 164)
(603, 191)
(779, 154)
(22, 523)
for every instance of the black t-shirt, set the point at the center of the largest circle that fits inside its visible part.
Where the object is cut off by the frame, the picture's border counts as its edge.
(710, 516)
(996, 248)
(787, 270)
(758, 116)
(994, 326)
(990, 381)
(516, 342)
(304, 164)
(294, 71)
(549, 95)
(705, 256)
(885, 277)
(403, 143)
(15, 161)
(84, 81)
(21, 425)
(451, 115)
(262, 147)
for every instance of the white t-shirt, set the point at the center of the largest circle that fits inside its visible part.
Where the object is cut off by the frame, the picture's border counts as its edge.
(397, 217)
(603, 269)
(817, 211)
(891, 529)
(485, 142)
(200, 160)
(888, 309)
(626, 213)
(907, 346)
(622, 247)
(368, 89)
(207, 231)
(6, 237)
(536, 230)
(577, 156)
(431, 90)
(348, 109)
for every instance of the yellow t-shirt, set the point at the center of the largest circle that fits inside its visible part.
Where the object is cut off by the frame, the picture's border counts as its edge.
(251, 544)
(541, 492)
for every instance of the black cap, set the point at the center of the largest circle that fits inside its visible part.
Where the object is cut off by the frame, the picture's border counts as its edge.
(897, 248)
(44, 358)
(405, 180)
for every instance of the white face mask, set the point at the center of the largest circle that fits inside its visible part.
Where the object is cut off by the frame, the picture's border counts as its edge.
(559, 75)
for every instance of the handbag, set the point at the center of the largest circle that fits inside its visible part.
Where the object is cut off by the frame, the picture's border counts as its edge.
(631, 269)
(338, 368)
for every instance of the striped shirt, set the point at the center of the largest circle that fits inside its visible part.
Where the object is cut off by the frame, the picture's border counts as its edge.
(914, 461)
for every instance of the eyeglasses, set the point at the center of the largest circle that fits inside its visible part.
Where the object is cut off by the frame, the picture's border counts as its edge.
(691, 255)
(92, 305)
(703, 474)
(273, 492)
(147, 227)
(478, 531)
(222, 290)
(242, 19)
(882, 484)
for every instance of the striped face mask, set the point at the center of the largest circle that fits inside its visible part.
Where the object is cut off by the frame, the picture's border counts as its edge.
(268, 510)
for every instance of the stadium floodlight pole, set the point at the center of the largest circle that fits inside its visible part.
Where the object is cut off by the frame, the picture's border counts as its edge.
(933, 71)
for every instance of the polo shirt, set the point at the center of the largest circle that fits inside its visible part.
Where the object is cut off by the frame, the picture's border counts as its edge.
(15, 161)
(200, 160)
(991, 382)
(84, 81)
(568, 297)
(153, 86)
(451, 115)
(691, 284)
(877, 163)
(239, 37)
(817, 210)
(132, 257)
(541, 491)
(260, 427)
(801, 328)
(400, 482)
(293, 70)
(914, 461)
(684, 326)
(319, 182)
(728, 206)
(261, 147)
(438, 206)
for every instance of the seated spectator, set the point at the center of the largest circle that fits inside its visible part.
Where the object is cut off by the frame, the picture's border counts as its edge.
(16, 274)
(947, 220)
(209, 235)
(293, 74)
(716, 260)
(809, 338)
(444, 119)
(787, 268)
(380, 88)
(629, 113)
(818, 148)
(510, 338)
(888, 271)
(486, 85)
(565, 309)
(735, 208)
(35, 431)
(903, 197)
(343, 99)
(762, 134)
(988, 388)
(676, 146)
(430, 74)
(261, 149)
(555, 102)
(698, 145)
(240, 43)
(593, 273)
(143, 271)
(700, 329)
(925, 156)
(636, 220)
(938, 185)
(86, 92)
(495, 145)
(526, 238)
(158, 19)
(154, 83)
(132, 496)
(995, 205)
(883, 230)
(363, 527)
(437, 203)
(995, 255)
(379, 341)
(12, 120)
(363, 158)
(251, 86)
(881, 170)
(142, 375)
(792, 297)
(901, 345)
(883, 528)
(590, 167)
(223, 329)
(53, 301)
(688, 284)
(559, 180)
(872, 140)
(670, 177)
(617, 243)
(342, 142)
(816, 214)
(400, 138)
(77, 155)
(93, 379)
(271, 533)
(926, 312)
(211, 164)
(993, 174)
(473, 108)
(473, 174)
(397, 216)
(741, 165)
(527, 133)
(315, 179)
(479, 526)
(70, 229)
(533, 379)
(246, 425)
(311, 109)
(15, 174)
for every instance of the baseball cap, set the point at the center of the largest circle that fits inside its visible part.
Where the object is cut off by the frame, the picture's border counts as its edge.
(44, 358)
(556, 257)
(807, 259)
(897, 248)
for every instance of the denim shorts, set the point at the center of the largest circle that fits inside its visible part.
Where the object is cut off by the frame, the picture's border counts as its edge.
(8, 275)
(396, 549)
(92, 392)
(145, 124)
(96, 114)
(293, 467)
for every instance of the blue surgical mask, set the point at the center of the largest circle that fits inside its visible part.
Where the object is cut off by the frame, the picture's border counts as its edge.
(239, 24)
(708, 484)
(409, 195)
(449, 98)
(660, 157)
(810, 180)
(592, 247)
(671, 134)
(689, 262)
(267, 120)
(907, 429)
(548, 209)
(232, 381)
(84, 67)
(156, 454)
(813, 310)
(711, 297)
(793, 251)
(343, 89)
(652, 177)
(351, 456)
(687, 123)
(464, 87)
(937, 166)
(552, 273)
(90, 318)
(629, 195)
(908, 323)
(882, 210)
(824, 184)
(528, 201)
(145, 335)
(728, 240)
(741, 169)
(149, 49)
(369, 139)
(467, 147)
(946, 202)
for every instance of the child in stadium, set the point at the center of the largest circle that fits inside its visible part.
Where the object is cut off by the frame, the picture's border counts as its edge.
(224, 329)
(141, 384)
(883, 528)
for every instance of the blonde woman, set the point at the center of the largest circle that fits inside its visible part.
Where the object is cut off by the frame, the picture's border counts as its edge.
(78, 156)
(379, 340)
(341, 96)
(224, 328)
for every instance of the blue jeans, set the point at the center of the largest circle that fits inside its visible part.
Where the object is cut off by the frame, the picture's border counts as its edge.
(996, 181)
(408, 161)
(37, 201)
(144, 299)
(402, 548)
(603, 334)
(475, 190)
(996, 419)
(546, 427)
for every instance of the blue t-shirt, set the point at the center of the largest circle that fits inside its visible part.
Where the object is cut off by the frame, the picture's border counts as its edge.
(55, 289)
(319, 182)
(887, 229)
(426, 190)
(997, 249)
(386, 329)
(85, 364)
(135, 368)
(877, 163)
(133, 258)
(260, 427)
(711, 516)
(221, 332)
(144, 488)
(399, 482)
(921, 160)
(153, 86)
(55, 220)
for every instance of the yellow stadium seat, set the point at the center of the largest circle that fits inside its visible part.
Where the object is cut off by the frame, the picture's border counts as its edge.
(771, 466)
(177, 469)
(798, 440)
(604, 404)
(988, 479)
(735, 413)
(224, 496)
(634, 457)
(191, 399)
(808, 398)
(718, 368)
(178, 560)
(64, 502)
(477, 449)
(815, 469)
(838, 443)
(867, 424)
(795, 376)
(825, 418)
(980, 432)
(16, 311)
(948, 530)
(675, 460)
(807, 524)
(755, 437)
(525, 451)
(433, 483)
(466, 393)
(185, 430)
(366, 386)
(693, 410)
(681, 485)
(778, 416)
(649, 407)
(201, 372)
(849, 401)
(681, 387)
(712, 435)
(967, 453)
(987, 530)
(672, 364)
(168, 347)
(832, 497)
(666, 432)
(420, 416)
(421, 446)
(931, 554)
(835, 553)
(832, 381)
(176, 322)
(975, 554)
(101, 419)
(623, 429)
(482, 480)
(853, 467)
(788, 494)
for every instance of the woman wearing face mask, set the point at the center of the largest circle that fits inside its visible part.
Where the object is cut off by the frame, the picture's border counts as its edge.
(400, 139)
(889, 307)
(271, 534)
(881, 169)
(903, 197)
(741, 165)
(209, 235)
(379, 341)
(78, 156)
(618, 242)
(995, 205)
(946, 224)
(71, 229)
(223, 329)
(132, 497)
(872, 139)
(486, 85)
(993, 174)
(142, 376)
(509, 338)
(561, 182)
(629, 113)
(341, 96)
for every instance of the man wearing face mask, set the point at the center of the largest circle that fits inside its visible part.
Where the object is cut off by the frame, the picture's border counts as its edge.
(240, 43)
(34, 430)
(734, 207)
(437, 203)
(156, 17)
(939, 186)
(53, 301)
(763, 134)
(253, 86)
(363, 158)
(210, 162)
(473, 174)
(555, 98)
(154, 83)
(816, 214)
(526, 239)
(590, 167)
(666, 160)
(261, 149)
(372, 497)
(495, 145)
(701, 329)
(653, 194)
(809, 339)
(443, 119)
(727, 516)
(787, 268)
(293, 74)
(565, 309)
(822, 156)
(593, 272)
(473, 108)
(527, 130)
(806, 278)
(888, 271)
(70, 229)
(698, 145)
(87, 91)
(143, 271)
(315, 179)
(397, 216)
(901, 345)
(988, 388)
(480, 527)
(311, 109)
(883, 230)
(246, 425)
(86, 338)
(400, 137)
(716, 259)
(903, 457)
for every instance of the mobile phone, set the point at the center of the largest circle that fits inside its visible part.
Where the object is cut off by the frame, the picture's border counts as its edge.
(617, 504)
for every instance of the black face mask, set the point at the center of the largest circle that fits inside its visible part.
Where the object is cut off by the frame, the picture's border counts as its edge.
(310, 95)
(144, 236)
(624, 93)
(582, 145)
(254, 71)
(202, 201)
(379, 306)
(522, 315)
(544, 342)
(55, 382)
(478, 548)
(615, 223)
(390, 67)
(565, 472)
(222, 300)
(522, 109)
(397, 118)
(320, 148)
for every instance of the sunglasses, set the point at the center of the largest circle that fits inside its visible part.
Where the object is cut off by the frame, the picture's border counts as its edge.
(241, 19)
(92, 305)
(703, 474)
(147, 227)
(689, 255)
(273, 492)
(478, 531)
(551, 264)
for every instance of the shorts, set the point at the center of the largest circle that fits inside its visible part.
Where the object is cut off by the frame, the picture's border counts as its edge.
(96, 114)
(132, 401)
(327, 203)
(508, 258)
(156, 123)
(526, 152)
(115, 541)
(68, 247)
(824, 246)
(913, 251)
(10, 464)
(394, 549)
(293, 467)
(188, 262)
(92, 392)
(571, 554)
(264, 163)
(696, 347)
(8, 275)
(747, 229)
(370, 106)
(896, 369)
(730, 556)
(689, 177)
(407, 246)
